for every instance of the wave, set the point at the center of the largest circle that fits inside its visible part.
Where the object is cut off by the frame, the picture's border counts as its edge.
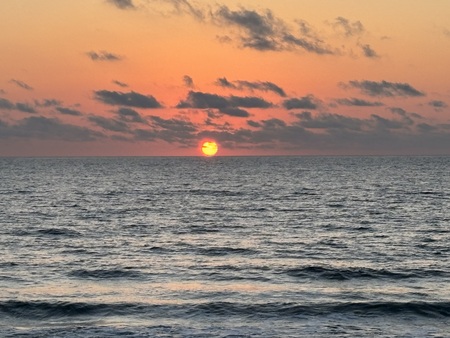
(105, 273)
(223, 251)
(330, 273)
(59, 232)
(39, 310)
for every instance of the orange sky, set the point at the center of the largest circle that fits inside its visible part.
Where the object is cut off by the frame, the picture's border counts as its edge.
(155, 77)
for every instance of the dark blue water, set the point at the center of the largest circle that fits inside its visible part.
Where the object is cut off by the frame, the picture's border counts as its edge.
(225, 247)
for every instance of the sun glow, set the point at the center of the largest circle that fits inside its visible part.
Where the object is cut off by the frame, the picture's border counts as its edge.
(209, 148)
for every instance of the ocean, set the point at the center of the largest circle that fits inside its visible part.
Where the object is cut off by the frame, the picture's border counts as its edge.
(225, 247)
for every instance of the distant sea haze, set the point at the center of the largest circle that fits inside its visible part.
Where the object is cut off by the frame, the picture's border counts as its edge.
(225, 247)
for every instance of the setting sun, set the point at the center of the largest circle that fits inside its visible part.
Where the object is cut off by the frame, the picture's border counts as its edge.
(209, 148)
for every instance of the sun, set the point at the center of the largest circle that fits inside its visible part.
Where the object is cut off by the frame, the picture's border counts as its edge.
(209, 148)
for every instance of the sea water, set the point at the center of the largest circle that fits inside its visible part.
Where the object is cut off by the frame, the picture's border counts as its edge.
(225, 247)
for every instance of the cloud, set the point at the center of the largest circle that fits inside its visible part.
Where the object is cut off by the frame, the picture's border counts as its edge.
(265, 86)
(188, 81)
(237, 112)
(347, 27)
(359, 102)
(305, 102)
(23, 107)
(384, 88)
(130, 99)
(120, 84)
(6, 104)
(329, 121)
(47, 103)
(369, 52)
(184, 6)
(130, 115)
(437, 104)
(202, 100)
(122, 4)
(109, 124)
(335, 133)
(43, 128)
(263, 31)
(103, 56)
(21, 84)
(170, 130)
(68, 111)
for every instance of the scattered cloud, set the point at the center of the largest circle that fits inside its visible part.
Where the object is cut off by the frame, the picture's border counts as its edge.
(263, 31)
(369, 52)
(6, 104)
(21, 84)
(237, 112)
(348, 28)
(265, 86)
(358, 102)
(188, 81)
(120, 84)
(383, 88)
(23, 107)
(437, 104)
(122, 4)
(130, 99)
(69, 111)
(43, 128)
(103, 56)
(202, 100)
(47, 103)
(109, 124)
(130, 115)
(305, 102)
(329, 121)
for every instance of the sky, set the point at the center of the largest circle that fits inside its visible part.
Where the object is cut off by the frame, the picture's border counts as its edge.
(260, 77)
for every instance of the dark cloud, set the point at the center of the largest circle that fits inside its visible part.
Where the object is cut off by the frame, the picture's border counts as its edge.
(170, 130)
(384, 88)
(314, 46)
(173, 124)
(47, 103)
(334, 133)
(188, 81)
(130, 115)
(358, 102)
(122, 4)
(237, 112)
(43, 128)
(23, 107)
(21, 84)
(264, 32)
(103, 56)
(329, 121)
(305, 102)
(347, 27)
(446, 32)
(249, 102)
(109, 124)
(265, 86)
(120, 84)
(185, 7)
(369, 52)
(254, 124)
(69, 111)
(437, 104)
(130, 99)
(6, 104)
(202, 100)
